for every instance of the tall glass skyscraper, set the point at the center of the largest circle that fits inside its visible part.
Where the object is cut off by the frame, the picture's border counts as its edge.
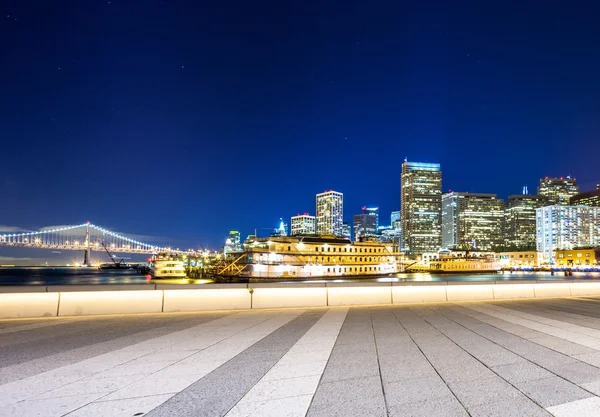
(330, 213)
(472, 220)
(421, 207)
(520, 220)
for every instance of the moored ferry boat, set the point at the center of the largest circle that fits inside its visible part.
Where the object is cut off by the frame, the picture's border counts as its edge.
(463, 261)
(167, 266)
(300, 257)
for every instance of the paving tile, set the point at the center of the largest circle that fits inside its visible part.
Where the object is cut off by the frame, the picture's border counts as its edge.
(447, 406)
(155, 384)
(464, 372)
(282, 407)
(589, 407)
(273, 390)
(136, 368)
(351, 367)
(295, 370)
(47, 407)
(593, 387)
(563, 346)
(578, 372)
(520, 407)
(102, 385)
(519, 372)
(401, 368)
(350, 397)
(121, 408)
(482, 391)
(306, 356)
(415, 390)
(552, 391)
(591, 358)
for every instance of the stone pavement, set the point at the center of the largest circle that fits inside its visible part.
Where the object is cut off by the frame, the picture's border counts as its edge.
(524, 358)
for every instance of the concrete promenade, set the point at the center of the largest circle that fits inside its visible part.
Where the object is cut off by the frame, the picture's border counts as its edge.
(522, 358)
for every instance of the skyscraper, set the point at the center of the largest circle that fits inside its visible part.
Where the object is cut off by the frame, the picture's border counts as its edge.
(520, 217)
(366, 223)
(330, 213)
(395, 220)
(587, 198)
(421, 207)
(233, 242)
(560, 227)
(303, 224)
(346, 231)
(472, 220)
(558, 191)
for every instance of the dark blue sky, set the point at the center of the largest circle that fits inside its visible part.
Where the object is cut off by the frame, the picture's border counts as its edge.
(184, 119)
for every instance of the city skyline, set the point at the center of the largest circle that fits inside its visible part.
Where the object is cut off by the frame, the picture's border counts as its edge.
(220, 241)
(106, 106)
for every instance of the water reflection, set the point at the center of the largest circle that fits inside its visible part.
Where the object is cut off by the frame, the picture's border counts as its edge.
(90, 276)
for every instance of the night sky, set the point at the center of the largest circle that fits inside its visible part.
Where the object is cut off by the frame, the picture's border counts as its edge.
(183, 119)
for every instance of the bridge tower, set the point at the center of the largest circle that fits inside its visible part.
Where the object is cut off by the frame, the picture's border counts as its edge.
(87, 258)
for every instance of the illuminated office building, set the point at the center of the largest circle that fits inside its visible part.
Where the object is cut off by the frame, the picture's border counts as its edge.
(346, 231)
(566, 228)
(520, 216)
(330, 213)
(233, 243)
(303, 224)
(395, 220)
(558, 191)
(587, 198)
(421, 207)
(366, 223)
(472, 221)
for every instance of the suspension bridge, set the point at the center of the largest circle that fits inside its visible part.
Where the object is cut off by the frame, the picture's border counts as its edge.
(85, 237)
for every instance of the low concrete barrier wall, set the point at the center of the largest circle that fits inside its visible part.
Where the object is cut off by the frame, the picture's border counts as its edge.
(40, 301)
(419, 293)
(470, 292)
(109, 302)
(552, 289)
(517, 290)
(28, 304)
(359, 293)
(206, 299)
(288, 295)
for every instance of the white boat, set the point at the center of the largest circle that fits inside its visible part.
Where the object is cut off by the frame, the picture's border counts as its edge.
(167, 266)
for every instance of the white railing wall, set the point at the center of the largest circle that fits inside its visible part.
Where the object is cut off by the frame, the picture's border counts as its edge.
(53, 301)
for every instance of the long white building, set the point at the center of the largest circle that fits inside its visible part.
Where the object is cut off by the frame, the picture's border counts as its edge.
(566, 227)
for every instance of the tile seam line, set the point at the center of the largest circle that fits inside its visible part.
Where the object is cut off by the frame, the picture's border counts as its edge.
(430, 364)
(556, 375)
(529, 340)
(275, 363)
(312, 398)
(107, 394)
(385, 401)
(487, 367)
